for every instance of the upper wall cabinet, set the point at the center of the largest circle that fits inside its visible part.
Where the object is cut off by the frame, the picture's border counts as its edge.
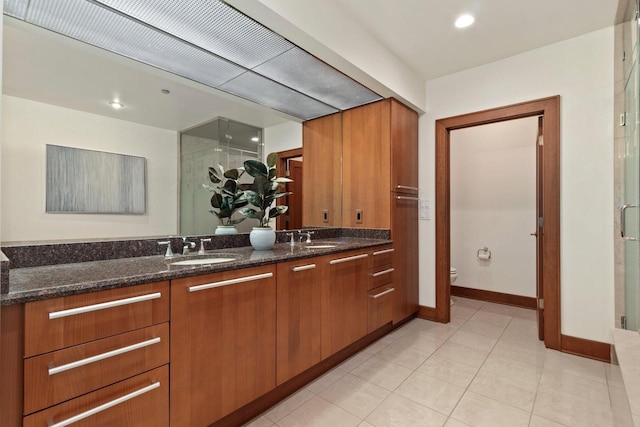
(404, 149)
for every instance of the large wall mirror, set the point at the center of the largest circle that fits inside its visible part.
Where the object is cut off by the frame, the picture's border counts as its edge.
(57, 90)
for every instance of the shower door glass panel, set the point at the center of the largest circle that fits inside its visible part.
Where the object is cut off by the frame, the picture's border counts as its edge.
(630, 215)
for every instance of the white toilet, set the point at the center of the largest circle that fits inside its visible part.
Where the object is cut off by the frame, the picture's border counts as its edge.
(453, 274)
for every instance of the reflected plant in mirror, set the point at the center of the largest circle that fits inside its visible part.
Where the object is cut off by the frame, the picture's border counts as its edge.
(227, 197)
(264, 190)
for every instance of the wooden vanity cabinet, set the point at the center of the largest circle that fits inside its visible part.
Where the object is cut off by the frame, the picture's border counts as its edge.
(299, 315)
(223, 343)
(345, 311)
(406, 262)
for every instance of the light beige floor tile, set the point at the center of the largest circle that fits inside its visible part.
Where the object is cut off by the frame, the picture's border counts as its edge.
(260, 422)
(422, 340)
(531, 355)
(321, 383)
(397, 333)
(462, 354)
(620, 407)
(354, 361)
(475, 341)
(576, 365)
(576, 386)
(374, 348)
(288, 405)
(507, 310)
(448, 370)
(404, 354)
(522, 336)
(317, 412)
(355, 395)
(510, 368)
(537, 421)
(365, 424)
(614, 376)
(398, 411)
(455, 423)
(431, 392)
(513, 392)
(439, 331)
(572, 410)
(382, 373)
(466, 302)
(491, 318)
(480, 411)
(483, 328)
(636, 420)
(462, 312)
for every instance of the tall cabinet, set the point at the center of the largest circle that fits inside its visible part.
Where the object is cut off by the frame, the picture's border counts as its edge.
(379, 149)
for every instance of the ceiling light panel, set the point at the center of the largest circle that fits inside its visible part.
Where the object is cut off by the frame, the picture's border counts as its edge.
(307, 74)
(209, 24)
(257, 88)
(16, 8)
(100, 27)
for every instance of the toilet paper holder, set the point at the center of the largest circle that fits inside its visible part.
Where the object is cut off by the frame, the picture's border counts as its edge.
(486, 252)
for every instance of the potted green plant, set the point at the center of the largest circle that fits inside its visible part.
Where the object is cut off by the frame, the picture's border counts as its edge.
(261, 194)
(227, 198)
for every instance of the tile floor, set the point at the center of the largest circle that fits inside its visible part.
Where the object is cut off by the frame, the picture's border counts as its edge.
(485, 368)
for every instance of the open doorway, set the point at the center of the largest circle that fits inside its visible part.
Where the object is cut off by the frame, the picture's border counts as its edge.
(290, 165)
(548, 204)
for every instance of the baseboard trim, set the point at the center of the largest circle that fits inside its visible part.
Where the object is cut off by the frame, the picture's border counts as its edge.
(491, 296)
(427, 313)
(586, 348)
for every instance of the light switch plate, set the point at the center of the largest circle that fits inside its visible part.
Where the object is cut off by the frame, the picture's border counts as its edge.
(425, 209)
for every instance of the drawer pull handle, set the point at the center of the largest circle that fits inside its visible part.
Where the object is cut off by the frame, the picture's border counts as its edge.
(382, 273)
(111, 404)
(406, 187)
(347, 259)
(388, 291)
(228, 282)
(382, 252)
(102, 356)
(304, 267)
(102, 306)
(407, 198)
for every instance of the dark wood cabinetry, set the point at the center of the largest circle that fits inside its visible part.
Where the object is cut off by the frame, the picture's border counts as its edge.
(223, 343)
(404, 233)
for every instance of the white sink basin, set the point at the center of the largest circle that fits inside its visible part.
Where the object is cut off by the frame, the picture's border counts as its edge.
(320, 246)
(203, 261)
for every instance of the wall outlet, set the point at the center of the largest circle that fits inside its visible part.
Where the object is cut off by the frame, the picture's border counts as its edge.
(358, 216)
(325, 215)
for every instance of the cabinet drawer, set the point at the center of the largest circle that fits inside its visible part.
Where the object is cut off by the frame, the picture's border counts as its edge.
(381, 257)
(380, 276)
(64, 374)
(380, 306)
(62, 322)
(141, 401)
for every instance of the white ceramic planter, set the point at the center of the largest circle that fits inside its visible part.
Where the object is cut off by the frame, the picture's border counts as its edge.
(262, 238)
(224, 230)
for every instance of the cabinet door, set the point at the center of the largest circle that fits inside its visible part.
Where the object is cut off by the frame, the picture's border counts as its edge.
(345, 301)
(366, 171)
(404, 233)
(223, 343)
(404, 149)
(322, 172)
(299, 291)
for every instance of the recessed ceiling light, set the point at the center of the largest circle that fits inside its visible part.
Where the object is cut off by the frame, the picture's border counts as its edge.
(464, 21)
(117, 105)
(255, 139)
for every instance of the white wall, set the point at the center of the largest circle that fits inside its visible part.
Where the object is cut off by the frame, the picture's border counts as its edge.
(493, 204)
(28, 126)
(286, 136)
(580, 70)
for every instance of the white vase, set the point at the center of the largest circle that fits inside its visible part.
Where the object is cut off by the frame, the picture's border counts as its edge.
(262, 238)
(224, 230)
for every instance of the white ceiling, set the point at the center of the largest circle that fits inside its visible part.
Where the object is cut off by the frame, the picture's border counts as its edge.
(421, 32)
(47, 67)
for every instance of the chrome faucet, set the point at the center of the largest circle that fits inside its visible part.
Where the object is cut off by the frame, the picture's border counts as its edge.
(186, 245)
(292, 242)
(307, 234)
(201, 251)
(169, 252)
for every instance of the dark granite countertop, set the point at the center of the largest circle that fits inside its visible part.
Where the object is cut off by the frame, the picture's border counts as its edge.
(51, 281)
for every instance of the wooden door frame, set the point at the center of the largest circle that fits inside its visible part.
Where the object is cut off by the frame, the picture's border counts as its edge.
(550, 109)
(281, 166)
